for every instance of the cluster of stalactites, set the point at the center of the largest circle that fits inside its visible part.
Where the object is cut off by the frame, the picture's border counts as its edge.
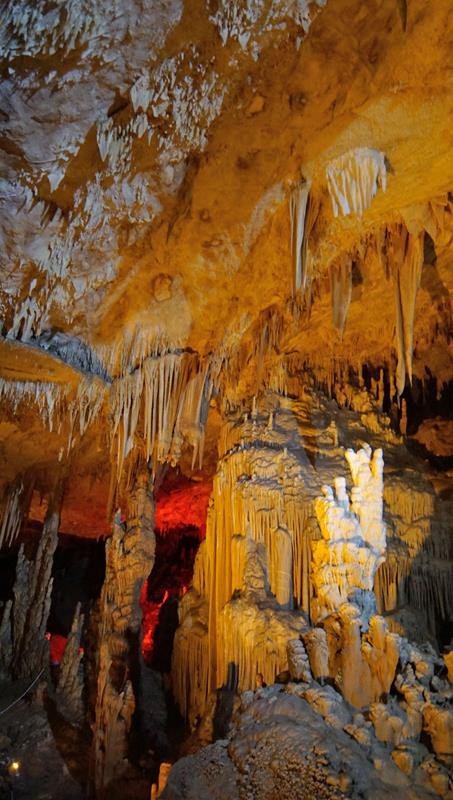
(163, 401)
(353, 543)
(404, 252)
(354, 179)
(57, 402)
(11, 513)
(169, 396)
(250, 571)
(258, 490)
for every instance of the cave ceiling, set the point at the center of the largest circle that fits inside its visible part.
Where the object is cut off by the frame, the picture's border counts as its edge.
(149, 154)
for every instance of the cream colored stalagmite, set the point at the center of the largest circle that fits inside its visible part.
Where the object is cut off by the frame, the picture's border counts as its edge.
(363, 655)
(32, 596)
(353, 541)
(129, 560)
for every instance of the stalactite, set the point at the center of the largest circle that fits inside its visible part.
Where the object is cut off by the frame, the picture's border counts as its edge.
(354, 179)
(85, 408)
(297, 209)
(341, 277)
(11, 515)
(129, 559)
(32, 596)
(406, 254)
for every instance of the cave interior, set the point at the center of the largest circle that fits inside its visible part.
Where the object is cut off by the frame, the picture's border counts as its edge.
(226, 382)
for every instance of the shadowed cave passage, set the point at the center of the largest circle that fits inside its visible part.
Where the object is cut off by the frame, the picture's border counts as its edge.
(168, 581)
(78, 574)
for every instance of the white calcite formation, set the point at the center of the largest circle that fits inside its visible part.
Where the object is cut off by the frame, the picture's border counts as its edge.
(247, 22)
(353, 541)
(354, 179)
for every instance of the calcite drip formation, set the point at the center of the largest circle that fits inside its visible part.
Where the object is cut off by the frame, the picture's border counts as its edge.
(284, 588)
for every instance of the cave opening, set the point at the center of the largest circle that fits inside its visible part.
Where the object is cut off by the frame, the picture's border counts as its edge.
(180, 526)
(169, 580)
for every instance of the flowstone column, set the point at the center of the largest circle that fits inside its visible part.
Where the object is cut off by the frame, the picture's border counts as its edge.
(32, 597)
(129, 560)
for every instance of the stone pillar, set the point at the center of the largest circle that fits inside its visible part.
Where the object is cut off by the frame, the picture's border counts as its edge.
(32, 597)
(129, 560)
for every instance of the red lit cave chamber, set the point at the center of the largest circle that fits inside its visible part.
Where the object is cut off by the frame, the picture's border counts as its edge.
(180, 526)
(226, 400)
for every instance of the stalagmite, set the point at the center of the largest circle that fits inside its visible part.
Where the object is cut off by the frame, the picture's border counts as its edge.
(32, 595)
(354, 179)
(354, 538)
(6, 644)
(70, 684)
(129, 560)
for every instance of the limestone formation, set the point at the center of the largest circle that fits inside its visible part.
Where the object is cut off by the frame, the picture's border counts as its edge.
(32, 597)
(70, 687)
(129, 559)
(345, 561)
(238, 618)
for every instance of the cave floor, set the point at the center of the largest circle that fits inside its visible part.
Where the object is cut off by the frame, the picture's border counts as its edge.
(47, 772)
